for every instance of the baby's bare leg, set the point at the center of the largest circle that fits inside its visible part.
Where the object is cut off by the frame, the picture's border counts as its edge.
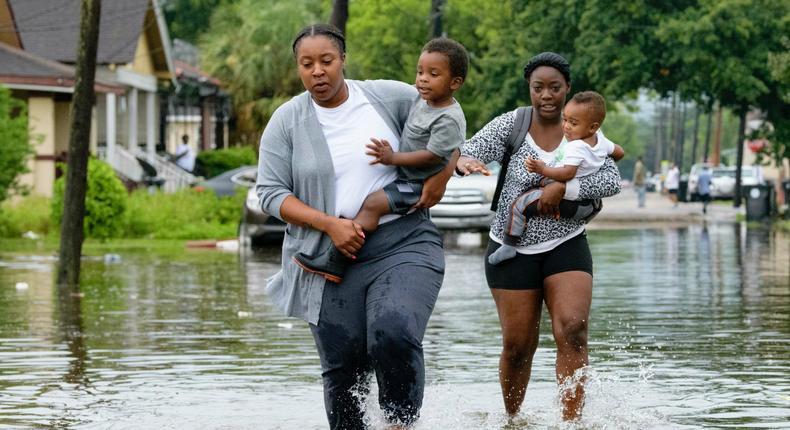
(375, 205)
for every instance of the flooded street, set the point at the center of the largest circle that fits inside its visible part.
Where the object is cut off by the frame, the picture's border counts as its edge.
(690, 329)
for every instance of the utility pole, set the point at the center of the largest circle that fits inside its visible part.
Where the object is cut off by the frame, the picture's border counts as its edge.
(339, 14)
(707, 133)
(715, 158)
(436, 18)
(695, 141)
(681, 136)
(71, 231)
(736, 201)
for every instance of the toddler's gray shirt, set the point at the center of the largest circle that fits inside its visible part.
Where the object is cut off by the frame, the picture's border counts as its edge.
(439, 130)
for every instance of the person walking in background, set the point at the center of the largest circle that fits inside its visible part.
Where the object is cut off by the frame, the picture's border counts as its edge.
(639, 181)
(184, 156)
(671, 183)
(703, 187)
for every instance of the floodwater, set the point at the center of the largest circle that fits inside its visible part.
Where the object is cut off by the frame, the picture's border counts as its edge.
(690, 329)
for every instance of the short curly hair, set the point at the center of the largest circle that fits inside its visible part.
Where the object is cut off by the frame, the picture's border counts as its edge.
(594, 102)
(549, 59)
(455, 52)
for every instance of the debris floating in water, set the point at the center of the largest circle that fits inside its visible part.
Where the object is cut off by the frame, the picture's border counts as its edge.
(21, 286)
(112, 258)
(244, 314)
(285, 325)
(32, 235)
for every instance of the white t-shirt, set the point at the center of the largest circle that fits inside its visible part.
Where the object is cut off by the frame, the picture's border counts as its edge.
(673, 179)
(347, 129)
(186, 161)
(587, 158)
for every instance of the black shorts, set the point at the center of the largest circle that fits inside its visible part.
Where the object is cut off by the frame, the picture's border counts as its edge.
(672, 191)
(527, 271)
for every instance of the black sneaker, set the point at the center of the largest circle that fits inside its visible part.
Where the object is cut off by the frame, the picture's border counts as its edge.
(331, 264)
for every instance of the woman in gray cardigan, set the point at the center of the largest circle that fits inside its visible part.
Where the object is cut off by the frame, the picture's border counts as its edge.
(313, 174)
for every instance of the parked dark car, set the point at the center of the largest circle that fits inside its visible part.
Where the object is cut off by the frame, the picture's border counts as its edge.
(226, 183)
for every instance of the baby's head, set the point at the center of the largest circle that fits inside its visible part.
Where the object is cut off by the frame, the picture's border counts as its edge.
(583, 115)
(441, 69)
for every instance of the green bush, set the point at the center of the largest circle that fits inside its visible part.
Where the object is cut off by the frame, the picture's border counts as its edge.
(31, 213)
(16, 143)
(186, 214)
(212, 163)
(105, 202)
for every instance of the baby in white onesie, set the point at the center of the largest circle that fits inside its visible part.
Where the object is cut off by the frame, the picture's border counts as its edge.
(584, 153)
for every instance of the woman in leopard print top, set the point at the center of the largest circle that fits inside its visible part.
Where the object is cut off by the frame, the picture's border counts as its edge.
(553, 263)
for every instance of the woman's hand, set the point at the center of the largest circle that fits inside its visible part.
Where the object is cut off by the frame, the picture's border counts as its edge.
(468, 165)
(347, 236)
(549, 203)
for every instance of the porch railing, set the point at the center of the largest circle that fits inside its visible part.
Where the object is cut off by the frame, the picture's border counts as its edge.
(125, 163)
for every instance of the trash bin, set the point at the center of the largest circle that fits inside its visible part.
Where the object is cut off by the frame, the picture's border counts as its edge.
(758, 201)
(683, 186)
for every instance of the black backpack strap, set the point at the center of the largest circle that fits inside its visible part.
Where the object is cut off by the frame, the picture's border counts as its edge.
(514, 141)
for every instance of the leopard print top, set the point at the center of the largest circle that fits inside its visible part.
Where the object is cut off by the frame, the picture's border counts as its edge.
(488, 145)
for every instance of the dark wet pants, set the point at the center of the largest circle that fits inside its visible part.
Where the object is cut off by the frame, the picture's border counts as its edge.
(375, 321)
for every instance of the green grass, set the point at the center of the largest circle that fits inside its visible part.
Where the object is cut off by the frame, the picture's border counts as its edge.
(184, 215)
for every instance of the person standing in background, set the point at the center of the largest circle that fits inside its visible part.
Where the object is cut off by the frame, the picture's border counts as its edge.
(185, 156)
(703, 187)
(639, 181)
(672, 182)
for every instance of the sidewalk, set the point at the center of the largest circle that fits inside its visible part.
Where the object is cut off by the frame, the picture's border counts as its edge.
(622, 208)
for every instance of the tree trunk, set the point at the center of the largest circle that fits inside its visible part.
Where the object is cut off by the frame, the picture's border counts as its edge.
(695, 141)
(671, 136)
(707, 134)
(436, 18)
(739, 157)
(715, 159)
(660, 131)
(681, 137)
(71, 232)
(339, 14)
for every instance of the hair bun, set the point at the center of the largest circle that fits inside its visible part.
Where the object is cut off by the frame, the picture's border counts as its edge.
(550, 59)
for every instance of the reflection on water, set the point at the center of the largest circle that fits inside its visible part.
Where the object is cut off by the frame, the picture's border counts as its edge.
(690, 328)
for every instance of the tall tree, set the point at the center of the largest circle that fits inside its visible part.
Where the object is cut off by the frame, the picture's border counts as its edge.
(188, 19)
(724, 45)
(248, 47)
(71, 233)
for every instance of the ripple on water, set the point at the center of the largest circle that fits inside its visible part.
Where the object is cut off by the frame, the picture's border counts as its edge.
(689, 328)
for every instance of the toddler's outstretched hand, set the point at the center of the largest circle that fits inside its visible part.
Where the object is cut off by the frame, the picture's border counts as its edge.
(535, 165)
(380, 150)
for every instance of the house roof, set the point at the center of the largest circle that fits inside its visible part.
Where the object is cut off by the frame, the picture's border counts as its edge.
(50, 29)
(185, 70)
(19, 68)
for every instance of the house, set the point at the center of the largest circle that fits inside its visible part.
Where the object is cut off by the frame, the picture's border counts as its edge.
(135, 76)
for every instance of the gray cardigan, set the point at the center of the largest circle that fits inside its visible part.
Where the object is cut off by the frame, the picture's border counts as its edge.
(294, 159)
